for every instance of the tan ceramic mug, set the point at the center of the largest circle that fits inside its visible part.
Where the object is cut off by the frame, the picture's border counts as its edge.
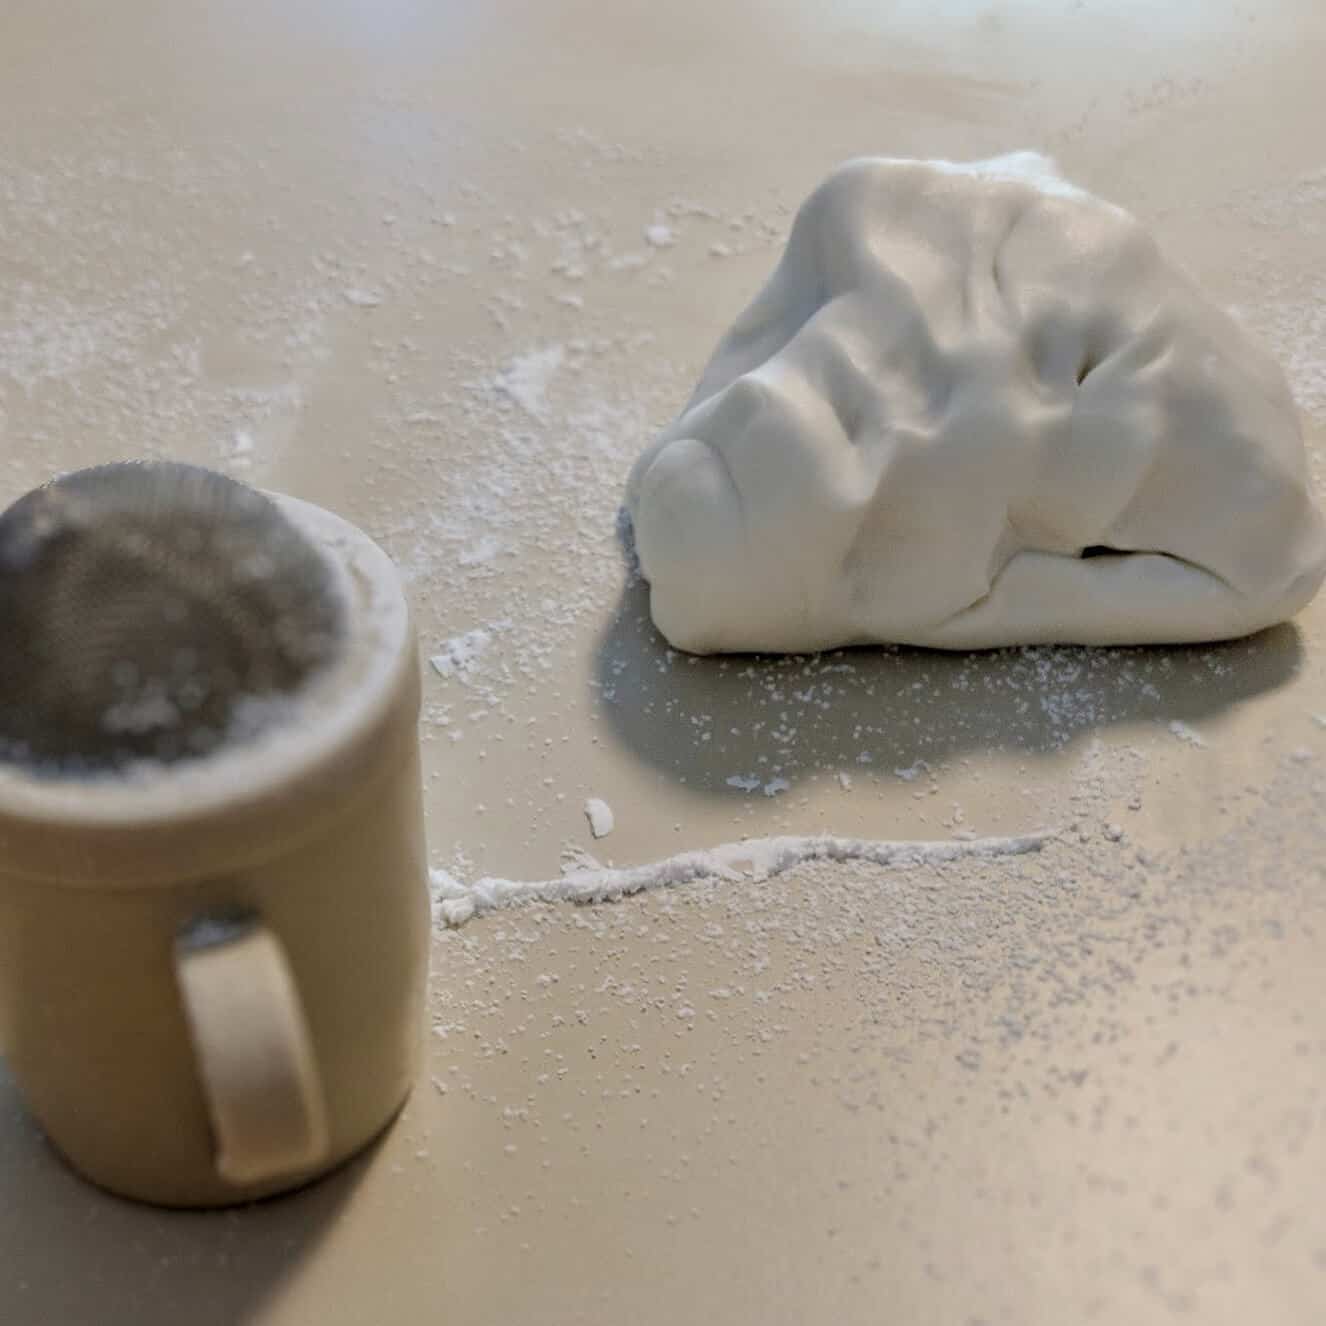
(212, 978)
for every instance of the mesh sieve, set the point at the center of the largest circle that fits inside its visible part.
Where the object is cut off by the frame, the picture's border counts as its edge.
(153, 611)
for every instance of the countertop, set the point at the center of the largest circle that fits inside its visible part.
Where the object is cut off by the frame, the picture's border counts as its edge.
(444, 267)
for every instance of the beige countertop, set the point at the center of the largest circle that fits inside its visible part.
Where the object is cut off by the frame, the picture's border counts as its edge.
(392, 257)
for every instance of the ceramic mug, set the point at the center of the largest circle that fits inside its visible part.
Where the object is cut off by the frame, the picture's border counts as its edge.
(212, 981)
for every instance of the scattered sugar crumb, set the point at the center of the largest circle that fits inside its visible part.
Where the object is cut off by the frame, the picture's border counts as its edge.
(1188, 734)
(526, 379)
(460, 656)
(600, 816)
(484, 549)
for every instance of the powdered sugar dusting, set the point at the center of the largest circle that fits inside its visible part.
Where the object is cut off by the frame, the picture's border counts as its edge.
(462, 655)
(527, 378)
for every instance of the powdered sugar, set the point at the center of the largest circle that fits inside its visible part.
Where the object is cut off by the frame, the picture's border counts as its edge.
(527, 378)
(1187, 734)
(462, 655)
(660, 236)
(456, 902)
(600, 817)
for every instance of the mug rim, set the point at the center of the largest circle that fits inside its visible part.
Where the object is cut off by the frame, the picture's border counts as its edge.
(72, 830)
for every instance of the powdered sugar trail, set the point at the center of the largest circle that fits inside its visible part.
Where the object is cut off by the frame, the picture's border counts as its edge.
(761, 858)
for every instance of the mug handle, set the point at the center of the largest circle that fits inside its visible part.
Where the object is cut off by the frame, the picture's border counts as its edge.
(251, 1041)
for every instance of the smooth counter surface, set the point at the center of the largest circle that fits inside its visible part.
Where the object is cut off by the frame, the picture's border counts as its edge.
(444, 268)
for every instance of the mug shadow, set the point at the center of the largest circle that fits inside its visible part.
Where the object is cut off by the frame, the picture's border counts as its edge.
(724, 725)
(75, 1255)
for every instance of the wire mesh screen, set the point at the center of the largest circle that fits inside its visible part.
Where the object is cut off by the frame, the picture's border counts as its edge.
(153, 611)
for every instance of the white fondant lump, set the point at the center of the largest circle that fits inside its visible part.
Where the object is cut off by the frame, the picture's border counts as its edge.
(975, 406)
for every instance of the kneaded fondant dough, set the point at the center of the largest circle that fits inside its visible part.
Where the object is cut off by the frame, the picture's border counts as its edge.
(976, 406)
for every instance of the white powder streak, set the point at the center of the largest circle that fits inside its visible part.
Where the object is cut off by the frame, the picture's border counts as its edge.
(1181, 730)
(757, 859)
